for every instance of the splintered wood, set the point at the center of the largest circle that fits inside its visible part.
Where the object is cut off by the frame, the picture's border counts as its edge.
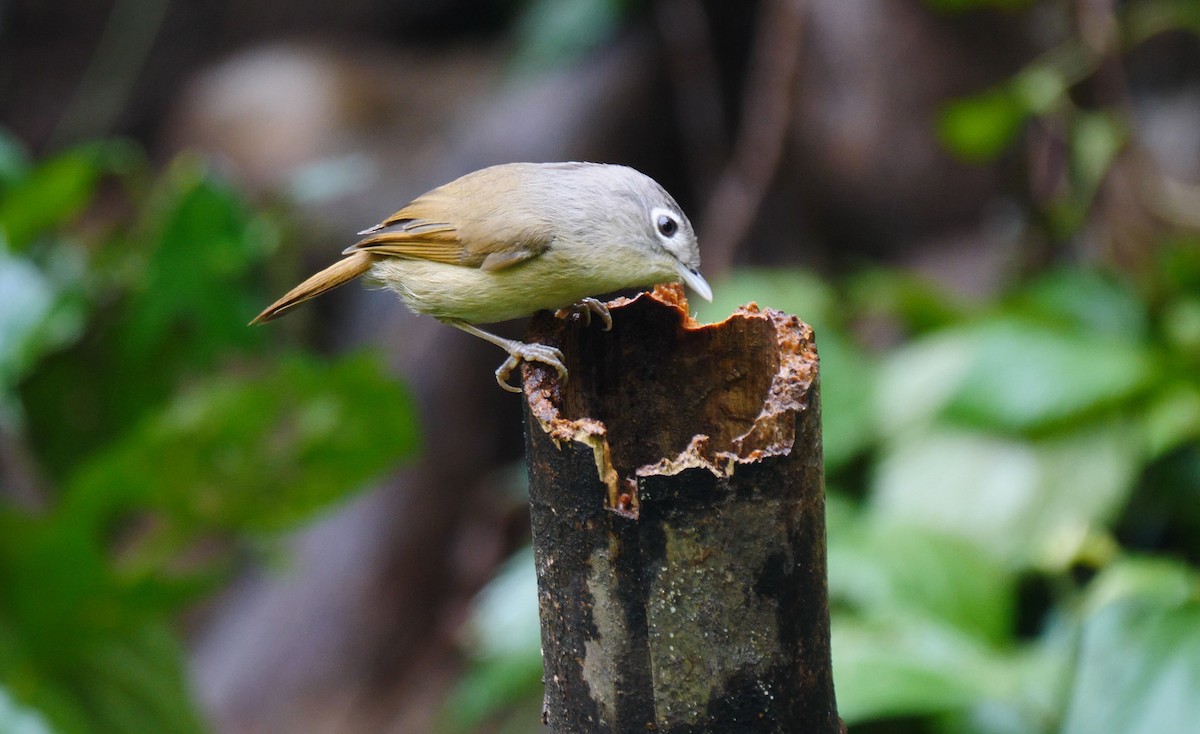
(677, 504)
(661, 393)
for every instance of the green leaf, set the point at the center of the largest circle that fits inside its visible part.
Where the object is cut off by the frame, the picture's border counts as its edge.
(1031, 686)
(916, 381)
(887, 569)
(1141, 21)
(82, 637)
(58, 189)
(77, 642)
(504, 642)
(28, 299)
(979, 128)
(1022, 377)
(1085, 302)
(1181, 325)
(489, 688)
(1163, 514)
(189, 272)
(1041, 503)
(255, 454)
(136, 682)
(1042, 86)
(137, 465)
(1172, 418)
(504, 615)
(1178, 261)
(1150, 579)
(551, 33)
(847, 400)
(201, 246)
(127, 680)
(1009, 375)
(918, 303)
(14, 160)
(17, 719)
(908, 667)
(1096, 139)
(41, 310)
(960, 6)
(1138, 670)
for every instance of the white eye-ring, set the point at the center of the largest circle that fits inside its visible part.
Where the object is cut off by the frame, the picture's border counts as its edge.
(666, 224)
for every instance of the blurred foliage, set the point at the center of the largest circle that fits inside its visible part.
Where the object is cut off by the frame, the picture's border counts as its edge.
(1013, 484)
(959, 6)
(981, 475)
(1004, 446)
(15, 719)
(504, 638)
(551, 33)
(168, 437)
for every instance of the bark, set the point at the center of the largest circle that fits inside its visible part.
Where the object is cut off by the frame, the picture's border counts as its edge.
(677, 502)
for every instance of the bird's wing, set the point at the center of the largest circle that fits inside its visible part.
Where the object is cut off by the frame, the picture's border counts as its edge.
(433, 228)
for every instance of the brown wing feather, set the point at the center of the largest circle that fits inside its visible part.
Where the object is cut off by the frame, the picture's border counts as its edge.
(416, 240)
(432, 227)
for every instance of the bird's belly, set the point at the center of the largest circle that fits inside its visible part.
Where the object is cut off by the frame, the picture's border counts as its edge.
(481, 296)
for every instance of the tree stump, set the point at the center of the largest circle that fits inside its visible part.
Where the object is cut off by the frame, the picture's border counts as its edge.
(677, 499)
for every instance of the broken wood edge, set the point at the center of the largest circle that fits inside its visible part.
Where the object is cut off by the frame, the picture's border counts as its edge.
(772, 433)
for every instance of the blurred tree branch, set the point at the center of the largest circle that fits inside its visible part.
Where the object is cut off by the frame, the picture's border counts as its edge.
(766, 113)
(684, 29)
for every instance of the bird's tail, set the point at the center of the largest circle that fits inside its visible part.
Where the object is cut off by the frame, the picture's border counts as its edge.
(342, 271)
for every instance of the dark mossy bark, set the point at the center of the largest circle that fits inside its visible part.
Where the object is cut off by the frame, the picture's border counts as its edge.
(678, 508)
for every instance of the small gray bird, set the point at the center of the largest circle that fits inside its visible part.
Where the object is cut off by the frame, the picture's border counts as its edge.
(512, 239)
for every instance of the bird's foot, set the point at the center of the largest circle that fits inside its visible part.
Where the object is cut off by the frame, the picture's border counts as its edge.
(522, 352)
(585, 308)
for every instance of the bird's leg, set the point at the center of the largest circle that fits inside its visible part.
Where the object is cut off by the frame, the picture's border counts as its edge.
(585, 308)
(517, 352)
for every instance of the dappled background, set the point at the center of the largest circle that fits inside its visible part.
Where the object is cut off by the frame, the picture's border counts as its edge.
(989, 210)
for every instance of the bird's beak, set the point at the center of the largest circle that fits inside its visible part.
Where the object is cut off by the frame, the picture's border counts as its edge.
(695, 281)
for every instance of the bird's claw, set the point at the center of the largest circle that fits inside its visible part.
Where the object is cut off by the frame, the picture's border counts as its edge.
(522, 352)
(585, 308)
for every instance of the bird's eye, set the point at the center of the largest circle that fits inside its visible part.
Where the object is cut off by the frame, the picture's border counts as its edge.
(667, 226)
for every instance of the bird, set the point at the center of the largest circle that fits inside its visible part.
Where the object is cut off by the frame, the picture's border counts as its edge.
(508, 240)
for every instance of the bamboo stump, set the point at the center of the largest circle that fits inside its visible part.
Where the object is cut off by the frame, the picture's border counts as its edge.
(678, 506)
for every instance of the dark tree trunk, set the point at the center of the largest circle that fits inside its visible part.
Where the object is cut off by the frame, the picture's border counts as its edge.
(678, 519)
